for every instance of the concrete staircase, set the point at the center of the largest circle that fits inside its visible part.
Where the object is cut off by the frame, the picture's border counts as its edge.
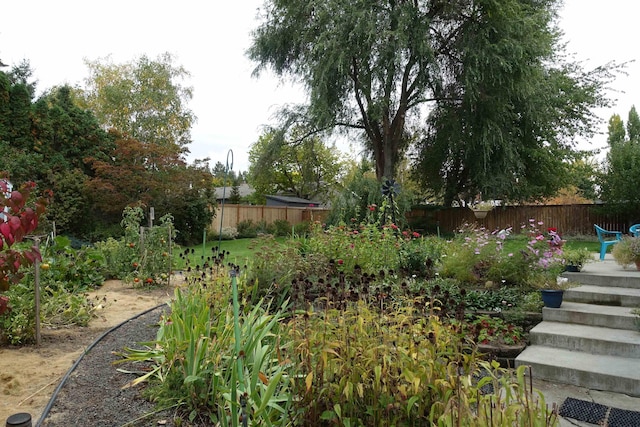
(591, 340)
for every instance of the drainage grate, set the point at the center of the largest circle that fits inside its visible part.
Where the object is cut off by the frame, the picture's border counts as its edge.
(582, 410)
(598, 414)
(623, 418)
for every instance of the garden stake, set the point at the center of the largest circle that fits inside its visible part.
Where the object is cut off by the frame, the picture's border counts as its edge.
(37, 292)
(224, 190)
(236, 329)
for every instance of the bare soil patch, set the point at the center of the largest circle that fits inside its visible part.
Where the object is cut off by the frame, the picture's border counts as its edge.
(29, 375)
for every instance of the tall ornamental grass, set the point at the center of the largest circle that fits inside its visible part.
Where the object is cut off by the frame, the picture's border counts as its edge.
(195, 362)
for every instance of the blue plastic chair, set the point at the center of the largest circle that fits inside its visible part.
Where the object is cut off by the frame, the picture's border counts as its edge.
(634, 230)
(607, 238)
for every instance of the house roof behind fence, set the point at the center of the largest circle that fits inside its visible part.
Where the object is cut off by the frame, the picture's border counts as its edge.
(244, 190)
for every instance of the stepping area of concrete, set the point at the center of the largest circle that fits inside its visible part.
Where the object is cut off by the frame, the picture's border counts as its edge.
(589, 348)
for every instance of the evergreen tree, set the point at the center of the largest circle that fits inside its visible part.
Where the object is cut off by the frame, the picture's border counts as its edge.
(633, 125)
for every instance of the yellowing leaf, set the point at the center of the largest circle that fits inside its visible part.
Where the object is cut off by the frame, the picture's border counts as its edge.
(263, 378)
(309, 380)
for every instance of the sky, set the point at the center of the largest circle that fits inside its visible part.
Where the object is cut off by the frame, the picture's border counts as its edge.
(209, 39)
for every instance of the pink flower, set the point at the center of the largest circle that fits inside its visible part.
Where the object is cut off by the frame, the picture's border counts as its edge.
(340, 262)
(416, 234)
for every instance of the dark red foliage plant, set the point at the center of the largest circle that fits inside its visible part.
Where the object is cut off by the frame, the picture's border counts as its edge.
(17, 220)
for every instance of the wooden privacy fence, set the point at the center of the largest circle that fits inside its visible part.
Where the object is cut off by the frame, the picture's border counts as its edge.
(233, 214)
(567, 219)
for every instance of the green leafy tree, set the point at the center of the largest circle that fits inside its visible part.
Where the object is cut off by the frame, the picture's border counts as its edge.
(308, 168)
(125, 179)
(621, 170)
(143, 98)
(500, 113)
(584, 176)
(508, 129)
(616, 130)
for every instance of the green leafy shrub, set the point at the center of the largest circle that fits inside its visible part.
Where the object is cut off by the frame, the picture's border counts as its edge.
(360, 368)
(143, 255)
(74, 269)
(59, 307)
(532, 302)
(281, 227)
(471, 254)
(263, 228)
(246, 229)
(65, 275)
(420, 255)
(302, 229)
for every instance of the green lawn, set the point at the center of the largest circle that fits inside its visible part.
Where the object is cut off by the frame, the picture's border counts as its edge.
(240, 251)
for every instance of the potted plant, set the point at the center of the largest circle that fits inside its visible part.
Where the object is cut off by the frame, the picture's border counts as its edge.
(627, 251)
(550, 284)
(553, 294)
(481, 209)
(575, 259)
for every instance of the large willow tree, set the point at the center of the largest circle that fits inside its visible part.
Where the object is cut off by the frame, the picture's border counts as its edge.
(478, 82)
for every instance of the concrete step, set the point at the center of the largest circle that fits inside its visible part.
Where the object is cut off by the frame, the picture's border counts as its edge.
(630, 279)
(593, 371)
(590, 339)
(603, 295)
(591, 314)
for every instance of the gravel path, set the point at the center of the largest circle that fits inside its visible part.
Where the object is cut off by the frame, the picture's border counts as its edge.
(92, 395)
